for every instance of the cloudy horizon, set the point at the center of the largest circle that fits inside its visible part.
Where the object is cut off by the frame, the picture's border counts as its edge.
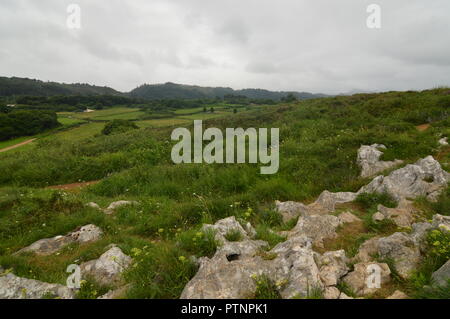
(320, 47)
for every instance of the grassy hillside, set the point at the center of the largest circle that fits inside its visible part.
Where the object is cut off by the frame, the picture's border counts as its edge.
(23, 86)
(319, 139)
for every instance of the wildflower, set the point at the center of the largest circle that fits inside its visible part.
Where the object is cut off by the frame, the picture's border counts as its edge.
(182, 258)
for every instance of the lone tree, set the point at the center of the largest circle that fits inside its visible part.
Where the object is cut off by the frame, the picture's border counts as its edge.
(235, 111)
(289, 98)
(212, 110)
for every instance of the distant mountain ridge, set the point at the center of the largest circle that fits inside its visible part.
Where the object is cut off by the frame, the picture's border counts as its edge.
(24, 86)
(173, 90)
(16, 86)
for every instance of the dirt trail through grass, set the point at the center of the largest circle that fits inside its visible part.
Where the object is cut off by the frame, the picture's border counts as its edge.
(73, 186)
(17, 145)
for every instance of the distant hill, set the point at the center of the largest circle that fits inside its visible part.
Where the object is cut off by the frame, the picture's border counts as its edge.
(172, 90)
(24, 86)
(29, 87)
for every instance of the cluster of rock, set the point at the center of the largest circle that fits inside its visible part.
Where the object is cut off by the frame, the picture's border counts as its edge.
(369, 160)
(296, 268)
(113, 206)
(424, 178)
(106, 270)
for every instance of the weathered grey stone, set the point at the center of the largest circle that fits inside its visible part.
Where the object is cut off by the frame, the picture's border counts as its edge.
(347, 217)
(107, 268)
(290, 210)
(344, 296)
(369, 160)
(443, 141)
(424, 178)
(316, 227)
(332, 266)
(329, 200)
(115, 205)
(368, 249)
(378, 217)
(233, 270)
(359, 280)
(402, 215)
(325, 203)
(398, 295)
(49, 246)
(331, 293)
(93, 205)
(13, 287)
(224, 226)
(441, 222)
(403, 250)
(441, 276)
(419, 235)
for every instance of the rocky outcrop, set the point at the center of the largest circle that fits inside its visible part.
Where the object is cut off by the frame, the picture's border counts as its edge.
(316, 227)
(293, 266)
(424, 178)
(360, 280)
(398, 295)
(367, 250)
(115, 205)
(325, 203)
(402, 250)
(443, 141)
(227, 225)
(402, 215)
(348, 218)
(369, 160)
(13, 287)
(107, 268)
(49, 246)
(441, 276)
(332, 266)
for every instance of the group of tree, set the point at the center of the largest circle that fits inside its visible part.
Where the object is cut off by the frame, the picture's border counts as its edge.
(118, 126)
(24, 123)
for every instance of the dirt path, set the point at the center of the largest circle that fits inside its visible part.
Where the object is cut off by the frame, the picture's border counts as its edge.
(15, 146)
(73, 185)
(423, 127)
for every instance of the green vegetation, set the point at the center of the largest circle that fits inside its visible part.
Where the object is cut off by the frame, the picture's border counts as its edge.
(24, 123)
(318, 144)
(118, 126)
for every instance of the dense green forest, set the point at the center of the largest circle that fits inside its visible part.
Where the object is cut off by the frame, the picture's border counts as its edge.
(23, 123)
(13, 88)
(22, 86)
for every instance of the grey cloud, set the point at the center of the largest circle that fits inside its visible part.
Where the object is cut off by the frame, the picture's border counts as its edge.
(318, 46)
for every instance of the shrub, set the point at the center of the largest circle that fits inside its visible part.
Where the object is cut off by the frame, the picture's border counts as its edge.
(118, 126)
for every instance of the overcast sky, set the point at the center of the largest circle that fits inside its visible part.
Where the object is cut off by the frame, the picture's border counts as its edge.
(315, 45)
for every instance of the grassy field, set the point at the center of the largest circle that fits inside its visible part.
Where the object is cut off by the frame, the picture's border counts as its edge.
(318, 146)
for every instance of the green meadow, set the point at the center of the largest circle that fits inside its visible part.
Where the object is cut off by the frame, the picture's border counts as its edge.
(319, 139)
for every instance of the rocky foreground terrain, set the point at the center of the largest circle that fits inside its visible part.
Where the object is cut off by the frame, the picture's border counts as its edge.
(299, 265)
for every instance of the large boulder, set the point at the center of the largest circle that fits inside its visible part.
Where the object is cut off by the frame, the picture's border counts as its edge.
(49, 246)
(369, 160)
(360, 280)
(13, 287)
(367, 250)
(402, 250)
(107, 268)
(424, 178)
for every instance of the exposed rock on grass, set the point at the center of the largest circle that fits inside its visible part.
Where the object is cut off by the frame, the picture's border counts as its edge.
(49, 246)
(369, 160)
(424, 178)
(442, 275)
(358, 279)
(108, 267)
(13, 287)
(115, 205)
